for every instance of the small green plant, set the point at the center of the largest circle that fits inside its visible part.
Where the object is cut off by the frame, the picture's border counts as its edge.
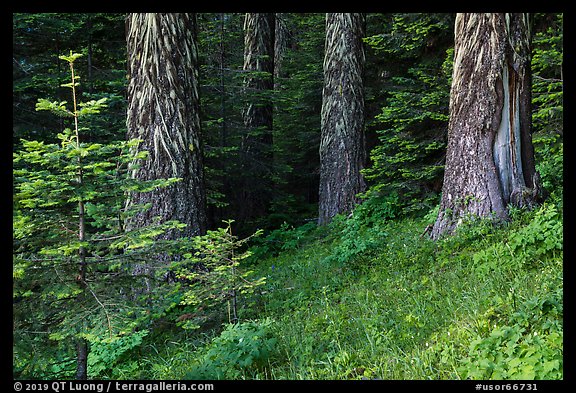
(526, 247)
(109, 352)
(211, 274)
(364, 230)
(241, 351)
(285, 238)
(528, 346)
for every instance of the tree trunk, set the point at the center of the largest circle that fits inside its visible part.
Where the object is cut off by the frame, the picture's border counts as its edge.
(342, 146)
(163, 111)
(81, 359)
(490, 158)
(280, 45)
(256, 149)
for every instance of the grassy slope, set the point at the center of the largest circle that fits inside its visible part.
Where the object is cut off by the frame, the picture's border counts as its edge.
(370, 298)
(406, 308)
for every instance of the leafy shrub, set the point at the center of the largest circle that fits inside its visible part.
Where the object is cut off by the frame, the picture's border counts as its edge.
(364, 229)
(528, 346)
(240, 349)
(528, 246)
(285, 238)
(105, 354)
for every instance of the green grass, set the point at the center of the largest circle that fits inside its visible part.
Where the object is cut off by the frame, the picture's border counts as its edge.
(485, 303)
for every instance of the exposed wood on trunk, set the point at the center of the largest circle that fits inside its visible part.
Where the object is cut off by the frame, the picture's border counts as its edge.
(490, 159)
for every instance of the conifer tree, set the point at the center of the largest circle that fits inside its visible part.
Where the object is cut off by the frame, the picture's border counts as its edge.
(490, 158)
(342, 150)
(163, 111)
(72, 255)
(256, 145)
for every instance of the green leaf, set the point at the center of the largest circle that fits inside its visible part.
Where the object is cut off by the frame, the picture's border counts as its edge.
(71, 58)
(527, 372)
(550, 366)
(57, 108)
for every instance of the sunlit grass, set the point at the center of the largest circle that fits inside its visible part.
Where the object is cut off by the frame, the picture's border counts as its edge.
(411, 314)
(404, 308)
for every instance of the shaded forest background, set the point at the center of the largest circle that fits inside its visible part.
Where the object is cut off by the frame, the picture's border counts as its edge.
(407, 81)
(407, 88)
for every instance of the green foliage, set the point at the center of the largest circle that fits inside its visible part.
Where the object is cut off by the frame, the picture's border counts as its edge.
(547, 80)
(549, 152)
(285, 238)
(37, 72)
(72, 257)
(418, 309)
(361, 233)
(527, 247)
(241, 351)
(408, 35)
(33, 360)
(366, 297)
(529, 345)
(547, 100)
(291, 178)
(106, 354)
(211, 274)
(219, 36)
(411, 126)
(297, 104)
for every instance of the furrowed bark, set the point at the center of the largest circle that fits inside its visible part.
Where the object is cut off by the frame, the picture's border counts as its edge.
(342, 146)
(490, 158)
(163, 111)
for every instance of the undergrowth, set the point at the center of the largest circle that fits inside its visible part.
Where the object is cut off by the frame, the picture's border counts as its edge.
(370, 296)
(376, 299)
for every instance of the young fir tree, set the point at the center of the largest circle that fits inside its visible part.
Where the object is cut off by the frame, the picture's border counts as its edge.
(210, 275)
(72, 255)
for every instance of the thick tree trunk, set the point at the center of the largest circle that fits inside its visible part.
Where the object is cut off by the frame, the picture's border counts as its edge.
(163, 111)
(490, 158)
(256, 149)
(342, 146)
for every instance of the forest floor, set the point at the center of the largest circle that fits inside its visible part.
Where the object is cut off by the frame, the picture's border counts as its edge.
(372, 297)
